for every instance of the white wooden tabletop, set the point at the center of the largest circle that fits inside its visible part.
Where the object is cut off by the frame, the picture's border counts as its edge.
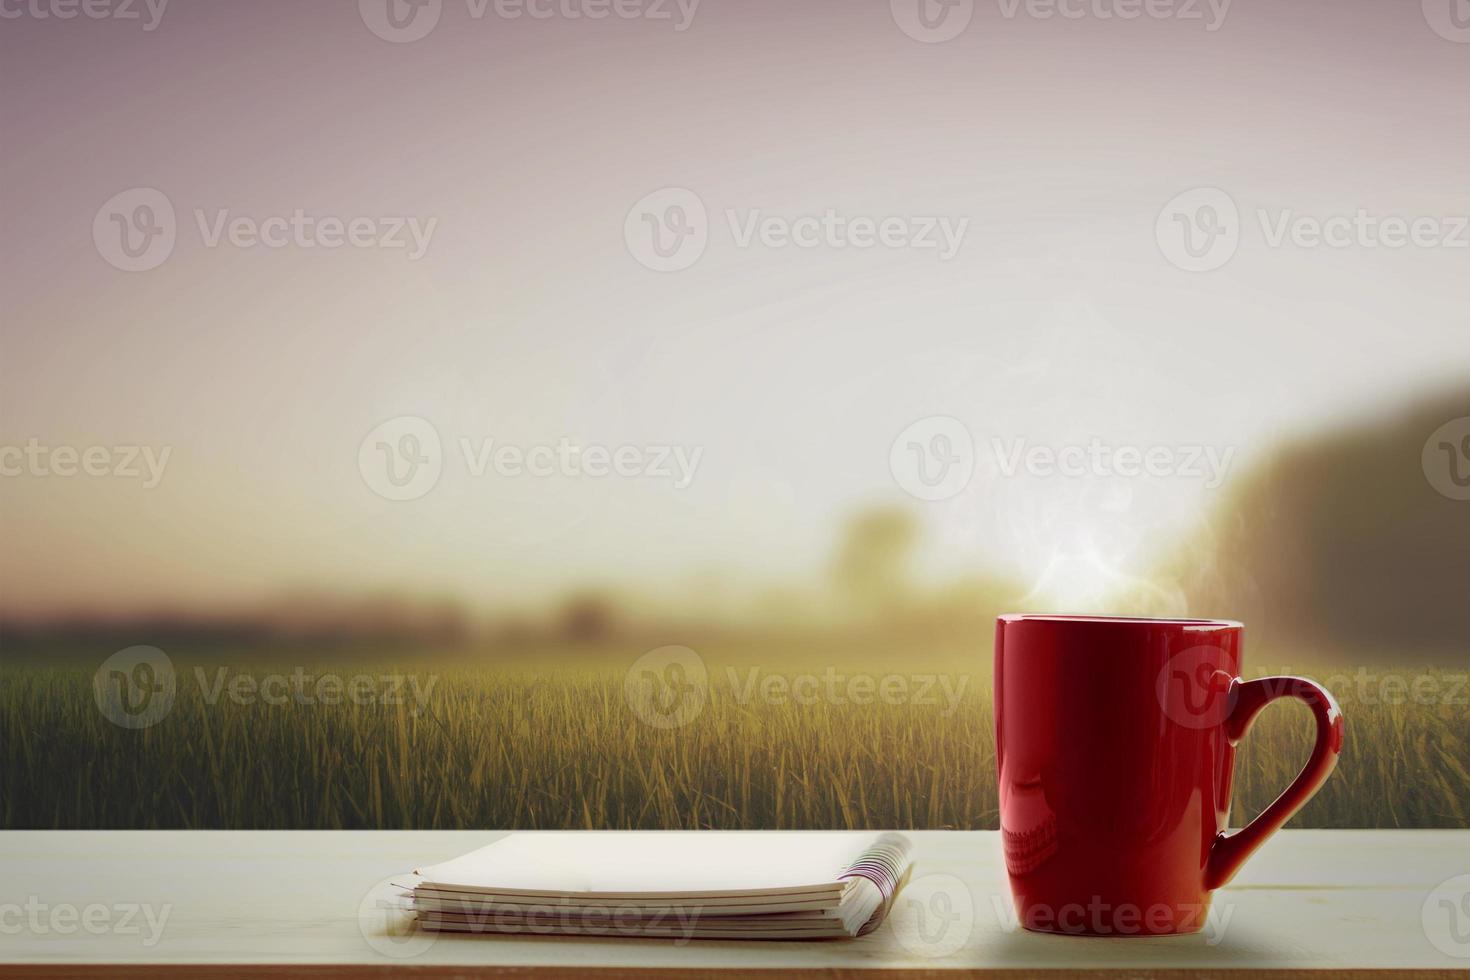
(240, 903)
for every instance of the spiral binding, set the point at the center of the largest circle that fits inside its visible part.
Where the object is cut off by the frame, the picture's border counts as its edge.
(886, 864)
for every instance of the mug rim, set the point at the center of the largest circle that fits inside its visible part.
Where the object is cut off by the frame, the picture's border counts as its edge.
(1141, 621)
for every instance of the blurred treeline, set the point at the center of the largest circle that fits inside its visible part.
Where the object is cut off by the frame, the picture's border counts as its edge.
(1335, 545)
(1340, 543)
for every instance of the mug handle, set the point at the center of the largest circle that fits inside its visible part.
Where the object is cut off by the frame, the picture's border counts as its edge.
(1246, 700)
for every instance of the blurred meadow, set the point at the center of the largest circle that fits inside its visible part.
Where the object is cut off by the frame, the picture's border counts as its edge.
(562, 747)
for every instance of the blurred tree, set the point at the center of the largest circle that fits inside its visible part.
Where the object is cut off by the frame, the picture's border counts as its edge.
(587, 617)
(1343, 542)
(872, 564)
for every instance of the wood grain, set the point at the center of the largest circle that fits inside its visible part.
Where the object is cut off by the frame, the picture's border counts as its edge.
(255, 903)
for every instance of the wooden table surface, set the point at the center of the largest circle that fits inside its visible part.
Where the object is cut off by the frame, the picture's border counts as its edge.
(247, 903)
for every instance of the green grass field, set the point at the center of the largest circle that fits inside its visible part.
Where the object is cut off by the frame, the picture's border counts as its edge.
(562, 747)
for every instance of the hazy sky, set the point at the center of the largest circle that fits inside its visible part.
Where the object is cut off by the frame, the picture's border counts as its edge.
(520, 149)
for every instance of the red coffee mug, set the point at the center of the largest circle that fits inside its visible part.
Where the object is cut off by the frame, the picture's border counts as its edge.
(1116, 740)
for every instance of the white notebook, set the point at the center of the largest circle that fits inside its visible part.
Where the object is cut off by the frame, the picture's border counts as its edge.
(674, 884)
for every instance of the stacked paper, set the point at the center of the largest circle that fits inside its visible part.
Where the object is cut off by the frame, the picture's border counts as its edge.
(670, 884)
